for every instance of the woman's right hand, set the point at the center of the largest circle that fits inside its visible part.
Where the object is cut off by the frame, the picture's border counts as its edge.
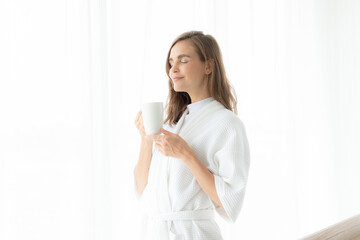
(139, 123)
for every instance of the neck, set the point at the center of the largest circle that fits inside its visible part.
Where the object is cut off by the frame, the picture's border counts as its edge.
(195, 99)
(199, 95)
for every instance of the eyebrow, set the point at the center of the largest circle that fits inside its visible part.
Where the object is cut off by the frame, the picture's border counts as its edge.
(180, 56)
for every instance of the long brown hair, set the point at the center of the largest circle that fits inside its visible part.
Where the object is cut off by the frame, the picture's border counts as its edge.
(219, 87)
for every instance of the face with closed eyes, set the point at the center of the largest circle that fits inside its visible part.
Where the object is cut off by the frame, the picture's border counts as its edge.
(187, 71)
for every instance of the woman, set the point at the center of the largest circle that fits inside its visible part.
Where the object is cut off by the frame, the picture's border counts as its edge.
(200, 162)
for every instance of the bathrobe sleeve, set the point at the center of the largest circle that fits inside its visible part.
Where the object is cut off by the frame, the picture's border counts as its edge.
(233, 160)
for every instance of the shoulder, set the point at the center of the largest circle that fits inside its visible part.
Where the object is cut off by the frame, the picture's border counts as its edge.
(228, 119)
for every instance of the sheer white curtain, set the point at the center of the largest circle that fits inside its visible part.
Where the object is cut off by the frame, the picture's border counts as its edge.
(55, 181)
(73, 75)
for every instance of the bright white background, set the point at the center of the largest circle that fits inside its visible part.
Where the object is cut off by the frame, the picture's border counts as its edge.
(73, 75)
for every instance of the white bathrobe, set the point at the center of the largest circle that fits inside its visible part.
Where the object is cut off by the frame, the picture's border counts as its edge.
(176, 207)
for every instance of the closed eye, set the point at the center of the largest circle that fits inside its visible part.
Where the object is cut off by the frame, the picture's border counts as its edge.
(182, 61)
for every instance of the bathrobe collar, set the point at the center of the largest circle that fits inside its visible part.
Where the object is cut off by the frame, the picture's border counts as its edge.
(211, 107)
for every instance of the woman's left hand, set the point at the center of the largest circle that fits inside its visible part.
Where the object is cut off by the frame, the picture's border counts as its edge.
(171, 145)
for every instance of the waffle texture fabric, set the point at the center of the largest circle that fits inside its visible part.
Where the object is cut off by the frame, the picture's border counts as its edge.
(175, 206)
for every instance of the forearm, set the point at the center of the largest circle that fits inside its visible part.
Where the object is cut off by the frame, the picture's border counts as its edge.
(203, 176)
(143, 165)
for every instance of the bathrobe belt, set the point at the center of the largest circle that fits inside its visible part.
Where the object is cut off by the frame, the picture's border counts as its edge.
(185, 215)
(163, 222)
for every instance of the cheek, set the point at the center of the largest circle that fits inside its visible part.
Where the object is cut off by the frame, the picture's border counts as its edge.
(197, 77)
(191, 71)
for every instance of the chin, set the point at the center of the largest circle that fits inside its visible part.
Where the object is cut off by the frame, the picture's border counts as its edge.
(178, 89)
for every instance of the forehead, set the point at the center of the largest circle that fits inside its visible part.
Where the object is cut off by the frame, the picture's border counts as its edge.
(183, 47)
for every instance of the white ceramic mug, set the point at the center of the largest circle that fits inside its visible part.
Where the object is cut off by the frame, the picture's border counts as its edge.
(153, 117)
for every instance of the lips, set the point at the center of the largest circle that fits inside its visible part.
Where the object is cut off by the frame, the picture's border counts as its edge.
(177, 78)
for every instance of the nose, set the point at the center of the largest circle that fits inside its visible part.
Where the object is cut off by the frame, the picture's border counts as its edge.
(174, 68)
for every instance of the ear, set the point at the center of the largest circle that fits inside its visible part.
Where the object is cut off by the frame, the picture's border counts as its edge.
(209, 66)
